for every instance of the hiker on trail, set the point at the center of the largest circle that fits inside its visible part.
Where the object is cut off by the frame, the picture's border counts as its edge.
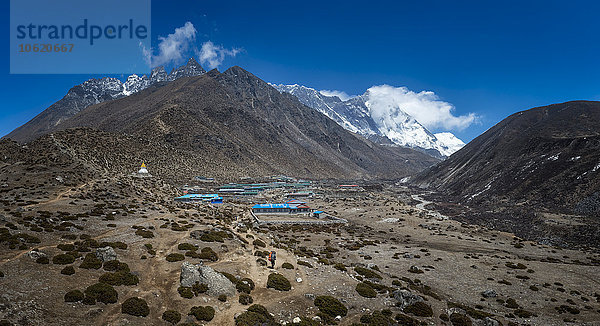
(272, 257)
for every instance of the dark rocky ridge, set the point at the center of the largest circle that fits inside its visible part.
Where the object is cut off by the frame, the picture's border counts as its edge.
(94, 91)
(547, 156)
(537, 162)
(227, 125)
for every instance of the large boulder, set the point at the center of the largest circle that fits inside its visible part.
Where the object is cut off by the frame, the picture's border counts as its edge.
(217, 283)
(406, 298)
(489, 293)
(189, 274)
(196, 234)
(34, 254)
(106, 254)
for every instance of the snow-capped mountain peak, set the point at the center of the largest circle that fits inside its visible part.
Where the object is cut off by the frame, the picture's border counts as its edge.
(134, 84)
(375, 118)
(449, 142)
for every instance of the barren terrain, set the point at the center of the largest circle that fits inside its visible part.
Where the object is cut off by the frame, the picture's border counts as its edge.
(464, 273)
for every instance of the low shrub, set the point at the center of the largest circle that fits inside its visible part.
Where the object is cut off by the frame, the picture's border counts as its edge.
(102, 292)
(66, 246)
(222, 298)
(566, 308)
(68, 270)
(114, 245)
(522, 313)
(304, 263)
(245, 285)
(249, 318)
(119, 278)
(201, 313)
(261, 262)
(208, 254)
(175, 257)
(340, 267)
(171, 316)
(215, 236)
(230, 277)
(512, 303)
(74, 296)
(199, 288)
(420, 309)
(255, 315)
(245, 299)
(91, 262)
(405, 320)
(144, 233)
(287, 266)
(366, 272)
(63, 259)
(365, 290)
(278, 282)
(186, 246)
(135, 307)
(458, 319)
(43, 260)
(376, 318)
(330, 306)
(185, 292)
(259, 243)
(115, 266)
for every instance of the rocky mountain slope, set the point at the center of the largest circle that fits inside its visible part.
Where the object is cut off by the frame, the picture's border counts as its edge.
(547, 156)
(96, 91)
(355, 115)
(226, 125)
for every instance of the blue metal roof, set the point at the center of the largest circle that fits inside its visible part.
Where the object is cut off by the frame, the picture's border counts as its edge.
(271, 206)
(318, 212)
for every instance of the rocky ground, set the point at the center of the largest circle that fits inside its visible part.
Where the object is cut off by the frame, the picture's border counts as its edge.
(395, 262)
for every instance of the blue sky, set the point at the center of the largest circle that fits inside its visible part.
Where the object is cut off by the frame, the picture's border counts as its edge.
(487, 58)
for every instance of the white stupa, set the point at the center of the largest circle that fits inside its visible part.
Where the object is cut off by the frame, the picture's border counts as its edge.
(142, 172)
(143, 169)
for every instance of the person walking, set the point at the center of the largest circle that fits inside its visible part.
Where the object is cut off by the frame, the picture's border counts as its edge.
(272, 257)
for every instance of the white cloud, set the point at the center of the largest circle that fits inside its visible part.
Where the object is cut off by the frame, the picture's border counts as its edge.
(173, 48)
(341, 94)
(425, 107)
(213, 55)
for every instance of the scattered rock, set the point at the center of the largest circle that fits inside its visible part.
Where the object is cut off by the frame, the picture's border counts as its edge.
(218, 284)
(489, 294)
(406, 298)
(106, 254)
(34, 254)
(196, 234)
(415, 269)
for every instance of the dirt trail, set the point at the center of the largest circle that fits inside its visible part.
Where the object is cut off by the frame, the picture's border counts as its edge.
(60, 195)
(259, 275)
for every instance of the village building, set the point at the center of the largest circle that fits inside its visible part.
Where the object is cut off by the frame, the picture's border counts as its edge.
(284, 208)
(200, 198)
